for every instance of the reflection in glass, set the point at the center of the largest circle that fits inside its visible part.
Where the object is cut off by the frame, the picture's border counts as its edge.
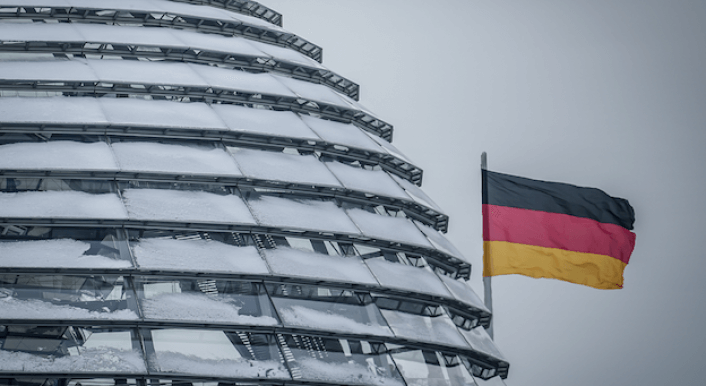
(328, 309)
(66, 297)
(345, 361)
(38, 246)
(69, 349)
(208, 300)
(430, 368)
(217, 353)
(196, 251)
(54, 184)
(433, 329)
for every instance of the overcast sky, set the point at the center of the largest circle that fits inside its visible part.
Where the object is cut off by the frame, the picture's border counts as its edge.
(601, 93)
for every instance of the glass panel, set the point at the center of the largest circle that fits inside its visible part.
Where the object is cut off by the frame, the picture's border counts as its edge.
(196, 251)
(417, 194)
(293, 262)
(329, 309)
(481, 342)
(174, 158)
(263, 122)
(13, 185)
(440, 242)
(437, 329)
(153, 113)
(405, 277)
(345, 361)
(345, 134)
(64, 110)
(277, 166)
(55, 155)
(463, 292)
(205, 300)
(373, 181)
(300, 214)
(388, 228)
(217, 353)
(55, 204)
(185, 205)
(310, 91)
(66, 297)
(44, 247)
(70, 349)
(430, 368)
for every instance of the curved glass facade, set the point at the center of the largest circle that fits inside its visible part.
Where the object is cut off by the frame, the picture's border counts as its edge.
(188, 196)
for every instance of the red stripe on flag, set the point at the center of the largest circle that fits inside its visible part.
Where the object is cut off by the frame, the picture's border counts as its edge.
(555, 230)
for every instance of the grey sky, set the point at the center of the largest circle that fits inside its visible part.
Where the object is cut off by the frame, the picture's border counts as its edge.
(607, 94)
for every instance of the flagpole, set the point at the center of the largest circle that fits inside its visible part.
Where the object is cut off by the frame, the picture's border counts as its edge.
(487, 289)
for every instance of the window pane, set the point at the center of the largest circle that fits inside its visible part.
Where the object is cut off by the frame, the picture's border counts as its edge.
(429, 368)
(217, 353)
(205, 300)
(328, 309)
(70, 349)
(37, 246)
(66, 297)
(345, 361)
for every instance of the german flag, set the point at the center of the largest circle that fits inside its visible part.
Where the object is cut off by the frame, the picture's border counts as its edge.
(555, 230)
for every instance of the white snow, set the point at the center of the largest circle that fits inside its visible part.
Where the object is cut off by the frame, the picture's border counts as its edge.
(13, 308)
(341, 133)
(191, 364)
(276, 166)
(51, 110)
(311, 91)
(262, 83)
(346, 373)
(371, 181)
(56, 155)
(200, 307)
(157, 72)
(156, 157)
(417, 194)
(198, 255)
(390, 148)
(31, 32)
(50, 70)
(66, 204)
(63, 253)
(292, 262)
(462, 291)
(405, 277)
(263, 122)
(438, 329)
(140, 112)
(440, 242)
(185, 205)
(88, 361)
(388, 228)
(296, 315)
(480, 341)
(301, 214)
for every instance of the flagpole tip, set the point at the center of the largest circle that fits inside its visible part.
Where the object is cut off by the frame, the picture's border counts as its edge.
(484, 161)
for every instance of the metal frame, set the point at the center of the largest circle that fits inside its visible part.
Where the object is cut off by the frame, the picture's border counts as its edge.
(191, 55)
(246, 7)
(386, 161)
(206, 94)
(166, 19)
(412, 209)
